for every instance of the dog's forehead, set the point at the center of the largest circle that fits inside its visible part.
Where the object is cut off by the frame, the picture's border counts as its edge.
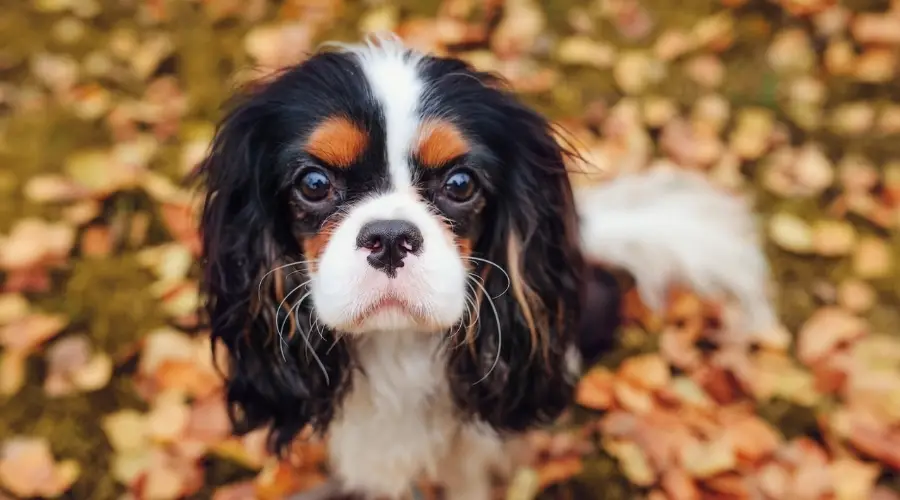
(390, 112)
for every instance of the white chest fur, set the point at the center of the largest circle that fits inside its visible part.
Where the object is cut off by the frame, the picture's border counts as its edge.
(397, 423)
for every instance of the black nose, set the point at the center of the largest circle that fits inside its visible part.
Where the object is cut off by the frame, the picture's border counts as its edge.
(389, 241)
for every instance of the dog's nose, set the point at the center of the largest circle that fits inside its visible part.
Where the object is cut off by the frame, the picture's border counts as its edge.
(389, 242)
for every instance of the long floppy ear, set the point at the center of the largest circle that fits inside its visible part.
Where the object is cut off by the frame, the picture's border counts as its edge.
(512, 373)
(253, 277)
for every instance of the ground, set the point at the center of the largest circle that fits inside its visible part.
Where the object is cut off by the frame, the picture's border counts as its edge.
(106, 387)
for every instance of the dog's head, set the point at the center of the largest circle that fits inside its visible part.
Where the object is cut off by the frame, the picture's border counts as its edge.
(372, 189)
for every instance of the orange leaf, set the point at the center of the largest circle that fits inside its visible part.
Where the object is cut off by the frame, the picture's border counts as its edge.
(559, 470)
(647, 371)
(679, 486)
(825, 330)
(595, 389)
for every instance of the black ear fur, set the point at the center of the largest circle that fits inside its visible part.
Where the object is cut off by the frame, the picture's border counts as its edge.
(245, 236)
(531, 231)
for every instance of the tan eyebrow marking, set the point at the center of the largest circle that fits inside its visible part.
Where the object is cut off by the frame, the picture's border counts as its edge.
(438, 142)
(337, 141)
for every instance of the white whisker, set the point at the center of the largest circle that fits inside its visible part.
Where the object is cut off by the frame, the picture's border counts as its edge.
(498, 266)
(499, 334)
(299, 262)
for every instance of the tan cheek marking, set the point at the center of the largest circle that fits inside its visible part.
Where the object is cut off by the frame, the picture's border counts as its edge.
(337, 141)
(439, 142)
(315, 245)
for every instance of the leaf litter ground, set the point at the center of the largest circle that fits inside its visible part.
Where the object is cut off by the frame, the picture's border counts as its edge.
(108, 389)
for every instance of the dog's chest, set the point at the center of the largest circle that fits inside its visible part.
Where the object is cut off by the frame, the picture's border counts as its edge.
(397, 423)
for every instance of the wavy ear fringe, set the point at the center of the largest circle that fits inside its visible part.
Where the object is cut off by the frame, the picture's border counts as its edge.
(669, 227)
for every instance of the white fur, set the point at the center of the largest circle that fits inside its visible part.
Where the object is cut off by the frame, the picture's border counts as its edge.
(668, 227)
(392, 72)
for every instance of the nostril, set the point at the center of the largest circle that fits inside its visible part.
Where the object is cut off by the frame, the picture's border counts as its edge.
(372, 243)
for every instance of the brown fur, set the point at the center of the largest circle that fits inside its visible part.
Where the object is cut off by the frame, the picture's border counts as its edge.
(337, 141)
(439, 142)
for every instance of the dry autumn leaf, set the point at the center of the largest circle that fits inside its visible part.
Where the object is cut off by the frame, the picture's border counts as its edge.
(825, 330)
(28, 469)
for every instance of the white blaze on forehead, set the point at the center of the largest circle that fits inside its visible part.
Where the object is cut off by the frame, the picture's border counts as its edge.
(392, 71)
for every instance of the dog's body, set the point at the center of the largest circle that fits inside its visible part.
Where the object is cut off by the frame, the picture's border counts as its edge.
(453, 276)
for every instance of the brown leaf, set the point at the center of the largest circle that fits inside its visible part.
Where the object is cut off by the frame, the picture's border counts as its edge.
(278, 479)
(826, 330)
(707, 459)
(12, 372)
(856, 295)
(244, 490)
(31, 331)
(595, 389)
(648, 371)
(855, 479)
(876, 29)
(774, 480)
(633, 462)
(873, 258)
(753, 438)
(679, 349)
(833, 238)
(679, 486)
(35, 242)
(558, 470)
(28, 469)
(179, 220)
(96, 241)
(632, 398)
(54, 188)
(13, 306)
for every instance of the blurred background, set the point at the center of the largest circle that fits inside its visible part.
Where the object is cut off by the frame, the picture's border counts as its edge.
(106, 385)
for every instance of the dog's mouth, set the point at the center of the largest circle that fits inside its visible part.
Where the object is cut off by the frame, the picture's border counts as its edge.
(386, 304)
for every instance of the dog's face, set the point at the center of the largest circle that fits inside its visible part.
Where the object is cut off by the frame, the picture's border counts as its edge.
(375, 189)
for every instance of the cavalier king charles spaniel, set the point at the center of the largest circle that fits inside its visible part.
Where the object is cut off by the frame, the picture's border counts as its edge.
(395, 258)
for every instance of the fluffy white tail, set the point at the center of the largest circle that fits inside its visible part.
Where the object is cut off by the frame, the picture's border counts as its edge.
(668, 227)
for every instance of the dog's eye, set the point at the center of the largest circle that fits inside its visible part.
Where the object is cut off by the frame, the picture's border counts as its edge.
(314, 185)
(460, 186)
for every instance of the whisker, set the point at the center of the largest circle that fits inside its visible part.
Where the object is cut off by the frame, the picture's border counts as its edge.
(299, 262)
(499, 334)
(305, 336)
(498, 266)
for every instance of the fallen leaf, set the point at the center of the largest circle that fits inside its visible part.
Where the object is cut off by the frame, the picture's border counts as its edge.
(12, 372)
(873, 258)
(28, 469)
(13, 307)
(96, 241)
(244, 490)
(855, 479)
(648, 371)
(791, 233)
(127, 431)
(633, 462)
(704, 460)
(595, 389)
(679, 486)
(34, 242)
(25, 334)
(558, 470)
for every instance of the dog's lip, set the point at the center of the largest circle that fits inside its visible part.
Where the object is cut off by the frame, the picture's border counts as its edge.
(383, 303)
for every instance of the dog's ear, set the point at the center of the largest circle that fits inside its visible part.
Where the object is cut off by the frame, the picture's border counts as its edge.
(512, 374)
(281, 373)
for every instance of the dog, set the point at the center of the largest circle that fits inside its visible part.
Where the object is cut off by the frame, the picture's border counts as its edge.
(395, 258)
